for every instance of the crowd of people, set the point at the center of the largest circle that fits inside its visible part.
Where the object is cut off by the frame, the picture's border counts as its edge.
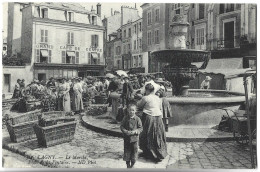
(69, 94)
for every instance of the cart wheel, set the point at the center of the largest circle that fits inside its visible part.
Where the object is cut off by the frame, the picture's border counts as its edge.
(242, 139)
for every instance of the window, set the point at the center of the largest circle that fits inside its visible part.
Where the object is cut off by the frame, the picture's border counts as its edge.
(149, 38)
(44, 13)
(109, 51)
(140, 26)
(140, 43)
(140, 60)
(4, 48)
(98, 60)
(70, 38)
(221, 8)
(70, 16)
(177, 8)
(230, 7)
(44, 54)
(118, 50)
(70, 57)
(118, 64)
(50, 54)
(37, 59)
(156, 37)
(129, 47)
(124, 49)
(44, 36)
(149, 17)
(77, 57)
(135, 28)
(135, 44)
(157, 15)
(129, 32)
(201, 11)
(94, 20)
(94, 41)
(124, 33)
(200, 36)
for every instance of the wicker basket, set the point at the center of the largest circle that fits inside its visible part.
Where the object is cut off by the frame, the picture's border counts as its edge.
(20, 127)
(55, 134)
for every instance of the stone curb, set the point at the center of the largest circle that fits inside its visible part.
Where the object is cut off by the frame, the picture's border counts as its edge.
(168, 139)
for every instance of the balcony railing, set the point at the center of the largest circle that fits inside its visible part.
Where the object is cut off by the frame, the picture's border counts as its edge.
(228, 43)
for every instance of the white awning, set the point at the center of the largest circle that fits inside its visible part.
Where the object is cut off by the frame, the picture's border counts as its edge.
(70, 53)
(44, 53)
(94, 55)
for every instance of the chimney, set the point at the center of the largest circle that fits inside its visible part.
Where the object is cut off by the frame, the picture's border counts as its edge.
(99, 9)
(111, 11)
(92, 9)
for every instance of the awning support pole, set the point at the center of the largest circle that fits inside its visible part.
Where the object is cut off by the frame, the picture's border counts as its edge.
(248, 123)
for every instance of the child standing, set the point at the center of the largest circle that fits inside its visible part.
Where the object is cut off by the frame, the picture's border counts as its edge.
(131, 127)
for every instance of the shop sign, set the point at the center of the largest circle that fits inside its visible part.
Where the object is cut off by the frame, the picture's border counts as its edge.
(44, 46)
(92, 49)
(69, 47)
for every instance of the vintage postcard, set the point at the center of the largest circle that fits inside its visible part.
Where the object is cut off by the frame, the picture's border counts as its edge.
(129, 85)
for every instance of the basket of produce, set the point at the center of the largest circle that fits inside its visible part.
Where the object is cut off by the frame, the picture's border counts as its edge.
(20, 127)
(56, 131)
(101, 99)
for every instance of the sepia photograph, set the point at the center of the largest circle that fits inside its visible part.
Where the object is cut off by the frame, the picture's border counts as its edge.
(133, 85)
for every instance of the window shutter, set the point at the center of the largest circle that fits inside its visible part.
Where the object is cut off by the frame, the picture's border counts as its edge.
(92, 40)
(42, 35)
(37, 55)
(96, 40)
(46, 36)
(89, 58)
(49, 56)
(68, 38)
(72, 38)
(63, 55)
(73, 59)
(98, 58)
(66, 15)
(77, 57)
(72, 17)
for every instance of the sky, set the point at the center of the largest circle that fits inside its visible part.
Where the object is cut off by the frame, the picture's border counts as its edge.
(105, 10)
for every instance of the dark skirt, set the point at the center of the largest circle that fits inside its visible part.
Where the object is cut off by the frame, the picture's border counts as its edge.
(153, 137)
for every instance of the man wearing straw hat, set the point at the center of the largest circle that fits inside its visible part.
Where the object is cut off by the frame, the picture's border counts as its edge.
(206, 83)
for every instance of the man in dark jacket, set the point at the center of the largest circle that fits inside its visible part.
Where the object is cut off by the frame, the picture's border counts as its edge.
(127, 91)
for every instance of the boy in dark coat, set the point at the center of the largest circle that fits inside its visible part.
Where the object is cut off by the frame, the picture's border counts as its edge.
(131, 127)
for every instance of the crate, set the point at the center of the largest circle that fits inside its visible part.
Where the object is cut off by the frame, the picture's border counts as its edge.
(43, 122)
(52, 115)
(20, 127)
(55, 134)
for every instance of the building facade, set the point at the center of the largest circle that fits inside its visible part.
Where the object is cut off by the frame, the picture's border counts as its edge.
(14, 27)
(62, 40)
(156, 20)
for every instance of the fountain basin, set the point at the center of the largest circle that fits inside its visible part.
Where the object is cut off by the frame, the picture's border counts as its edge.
(202, 107)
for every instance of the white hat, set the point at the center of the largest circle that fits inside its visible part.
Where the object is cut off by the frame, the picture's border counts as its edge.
(208, 78)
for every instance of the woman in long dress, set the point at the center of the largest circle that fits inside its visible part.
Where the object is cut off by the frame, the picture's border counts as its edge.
(64, 97)
(153, 137)
(78, 102)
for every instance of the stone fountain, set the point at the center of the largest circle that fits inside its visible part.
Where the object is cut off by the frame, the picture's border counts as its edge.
(179, 70)
(191, 106)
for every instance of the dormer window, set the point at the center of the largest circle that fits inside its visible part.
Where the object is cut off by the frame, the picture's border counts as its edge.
(94, 20)
(177, 8)
(70, 16)
(44, 13)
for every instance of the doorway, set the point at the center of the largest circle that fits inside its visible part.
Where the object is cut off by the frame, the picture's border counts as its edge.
(229, 34)
(7, 84)
(41, 76)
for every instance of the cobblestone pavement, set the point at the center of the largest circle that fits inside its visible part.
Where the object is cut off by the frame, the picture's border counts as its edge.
(94, 150)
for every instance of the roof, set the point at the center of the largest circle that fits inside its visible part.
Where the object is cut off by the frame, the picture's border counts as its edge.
(65, 6)
(231, 63)
(230, 68)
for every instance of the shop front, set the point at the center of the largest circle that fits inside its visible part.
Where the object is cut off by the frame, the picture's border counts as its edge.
(44, 71)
